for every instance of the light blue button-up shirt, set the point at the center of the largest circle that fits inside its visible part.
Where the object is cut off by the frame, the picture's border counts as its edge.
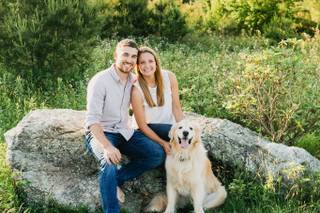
(108, 101)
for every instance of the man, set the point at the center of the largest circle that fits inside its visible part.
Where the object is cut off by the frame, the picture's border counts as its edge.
(108, 135)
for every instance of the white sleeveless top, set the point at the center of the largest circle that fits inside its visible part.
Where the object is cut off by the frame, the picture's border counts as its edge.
(158, 114)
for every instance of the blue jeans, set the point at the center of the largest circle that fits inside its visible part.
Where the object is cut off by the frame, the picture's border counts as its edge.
(162, 130)
(143, 153)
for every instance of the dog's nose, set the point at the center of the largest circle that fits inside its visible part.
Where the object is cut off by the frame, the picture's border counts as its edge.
(185, 133)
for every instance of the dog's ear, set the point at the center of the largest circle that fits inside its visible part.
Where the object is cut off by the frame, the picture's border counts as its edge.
(197, 131)
(172, 131)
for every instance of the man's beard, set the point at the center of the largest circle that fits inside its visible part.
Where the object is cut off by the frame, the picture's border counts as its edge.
(126, 71)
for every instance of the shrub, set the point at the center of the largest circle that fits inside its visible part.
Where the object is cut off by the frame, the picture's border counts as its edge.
(218, 18)
(45, 39)
(275, 94)
(275, 19)
(311, 143)
(166, 20)
(253, 15)
(125, 18)
(194, 13)
(279, 28)
(261, 95)
(162, 18)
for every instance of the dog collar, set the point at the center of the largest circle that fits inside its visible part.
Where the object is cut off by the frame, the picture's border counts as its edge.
(182, 159)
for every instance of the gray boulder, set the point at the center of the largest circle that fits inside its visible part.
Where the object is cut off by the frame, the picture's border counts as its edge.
(46, 149)
(235, 145)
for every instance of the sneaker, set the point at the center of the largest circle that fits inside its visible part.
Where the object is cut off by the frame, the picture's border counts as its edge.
(120, 195)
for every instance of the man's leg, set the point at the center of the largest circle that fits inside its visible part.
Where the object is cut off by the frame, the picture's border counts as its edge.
(144, 154)
(108, 173)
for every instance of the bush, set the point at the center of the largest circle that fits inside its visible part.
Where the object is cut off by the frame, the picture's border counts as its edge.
(261, 95)
(253, 15)
(279, 28)
(311, 143)
(194, 13)
(162, 18)
(274, 19)
(275, 93)
(45, 39)
(218, 18)
(125, 18)
(167, 20)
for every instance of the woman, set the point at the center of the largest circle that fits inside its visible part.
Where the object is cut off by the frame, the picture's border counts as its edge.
(155, 99)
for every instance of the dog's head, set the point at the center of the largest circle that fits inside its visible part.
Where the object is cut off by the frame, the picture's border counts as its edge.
(184, 135)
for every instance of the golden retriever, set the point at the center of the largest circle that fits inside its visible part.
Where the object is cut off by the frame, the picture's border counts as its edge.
(189, 173)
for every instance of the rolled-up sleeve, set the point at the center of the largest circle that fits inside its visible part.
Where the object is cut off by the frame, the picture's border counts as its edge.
(96, 93)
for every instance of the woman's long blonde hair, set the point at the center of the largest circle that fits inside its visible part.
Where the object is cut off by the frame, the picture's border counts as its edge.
(158, 79)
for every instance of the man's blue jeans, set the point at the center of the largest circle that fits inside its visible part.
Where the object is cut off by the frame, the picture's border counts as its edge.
(143, 153)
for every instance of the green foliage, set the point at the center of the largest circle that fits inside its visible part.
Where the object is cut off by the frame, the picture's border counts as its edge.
(167, 20)
(311, 143)
(273, 94)
(125, 18)
(274, 19)
(248, 193)
(279, 28)
(19, 96)
(218, 18)
(194, 13)
(8, 198)
(262, 93)
(270, 17)
(254, 14)
(45, 39)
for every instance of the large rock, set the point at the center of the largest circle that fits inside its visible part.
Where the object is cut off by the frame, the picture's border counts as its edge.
(46, 149)
(235, 145)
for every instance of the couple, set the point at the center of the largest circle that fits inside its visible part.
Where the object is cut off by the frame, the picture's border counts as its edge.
(153, 94)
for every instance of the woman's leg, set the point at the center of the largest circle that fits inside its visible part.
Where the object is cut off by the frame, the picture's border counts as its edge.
(144, 154)
(162, 130)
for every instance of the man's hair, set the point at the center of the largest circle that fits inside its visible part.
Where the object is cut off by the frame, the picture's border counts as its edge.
(127, 43)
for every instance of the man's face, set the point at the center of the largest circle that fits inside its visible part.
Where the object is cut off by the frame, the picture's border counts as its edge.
(126, 59)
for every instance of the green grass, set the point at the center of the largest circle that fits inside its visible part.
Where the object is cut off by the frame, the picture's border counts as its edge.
(9, 200)
(206, 69)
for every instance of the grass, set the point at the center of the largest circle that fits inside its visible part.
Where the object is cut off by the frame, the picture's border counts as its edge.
(206, 69)
(9, 200)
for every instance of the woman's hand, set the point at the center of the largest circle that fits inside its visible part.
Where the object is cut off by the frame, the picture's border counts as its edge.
(166, 147)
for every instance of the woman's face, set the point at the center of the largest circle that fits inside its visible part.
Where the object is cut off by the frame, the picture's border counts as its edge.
(147, 64)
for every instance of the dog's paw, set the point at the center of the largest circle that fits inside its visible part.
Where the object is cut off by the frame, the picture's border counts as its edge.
(157, 204)
(169, 211)
(151, 209)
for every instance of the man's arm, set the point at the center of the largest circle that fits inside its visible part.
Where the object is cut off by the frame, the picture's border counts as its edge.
(95, 103)
(111, 153)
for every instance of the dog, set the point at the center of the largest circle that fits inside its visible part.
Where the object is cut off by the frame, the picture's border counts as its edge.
(189, 173)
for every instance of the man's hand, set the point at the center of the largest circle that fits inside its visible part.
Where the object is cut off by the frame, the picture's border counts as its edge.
(112, 155)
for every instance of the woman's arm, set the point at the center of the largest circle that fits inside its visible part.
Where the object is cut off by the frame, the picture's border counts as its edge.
(138, 111)
(176, 106)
